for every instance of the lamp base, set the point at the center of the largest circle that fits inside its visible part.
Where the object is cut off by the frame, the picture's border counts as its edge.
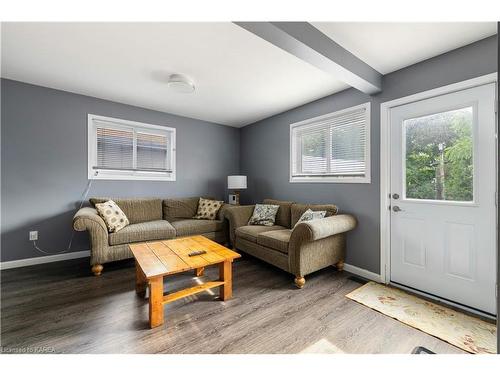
(234, 198)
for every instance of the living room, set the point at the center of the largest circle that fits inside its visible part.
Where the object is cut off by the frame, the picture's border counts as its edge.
(224, 186)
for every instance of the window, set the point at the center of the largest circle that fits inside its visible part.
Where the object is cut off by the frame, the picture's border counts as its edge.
(438, 156)
(127, 150)
(332, 148)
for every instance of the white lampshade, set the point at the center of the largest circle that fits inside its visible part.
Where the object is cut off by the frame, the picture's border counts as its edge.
(236, 182)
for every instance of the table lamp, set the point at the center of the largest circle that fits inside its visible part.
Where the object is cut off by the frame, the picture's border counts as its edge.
(236, 183)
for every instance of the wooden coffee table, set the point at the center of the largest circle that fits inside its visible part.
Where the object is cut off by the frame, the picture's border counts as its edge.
(154, 260)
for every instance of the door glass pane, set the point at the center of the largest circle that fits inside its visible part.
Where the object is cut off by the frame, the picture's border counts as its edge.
(439, 156)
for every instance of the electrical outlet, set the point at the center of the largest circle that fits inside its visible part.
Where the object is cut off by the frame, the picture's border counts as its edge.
(33, 235)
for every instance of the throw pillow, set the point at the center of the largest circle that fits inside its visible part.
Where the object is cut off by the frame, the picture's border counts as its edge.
(112, 215)
(264, 214)
(207, 209)
(311, 215)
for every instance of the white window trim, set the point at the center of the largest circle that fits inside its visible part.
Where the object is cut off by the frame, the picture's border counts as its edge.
(366, 179)
(127, 175)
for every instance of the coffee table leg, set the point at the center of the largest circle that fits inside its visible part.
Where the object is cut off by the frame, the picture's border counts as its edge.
(140, 281)
(199, 271)
(225, 274)
(156, 302)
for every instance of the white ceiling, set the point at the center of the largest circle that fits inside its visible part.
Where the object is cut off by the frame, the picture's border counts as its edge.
(239, 77)
(387, 47)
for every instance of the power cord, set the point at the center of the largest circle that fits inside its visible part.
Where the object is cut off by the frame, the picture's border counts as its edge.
(82, 200)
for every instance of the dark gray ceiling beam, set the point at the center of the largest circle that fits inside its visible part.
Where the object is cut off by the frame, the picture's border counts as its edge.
(304, 41)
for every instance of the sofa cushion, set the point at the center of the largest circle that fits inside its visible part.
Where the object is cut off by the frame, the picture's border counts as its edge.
(207, 209)
(189, 227)
(310, 215)
(250, 232)
(299, 209)
(113, 216)
(264, 214)
(284, 216)
(147, 231)
(180, 208)
(137, 210)
(275, 239)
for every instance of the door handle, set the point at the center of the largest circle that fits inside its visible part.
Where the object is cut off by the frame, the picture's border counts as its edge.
(396, 208)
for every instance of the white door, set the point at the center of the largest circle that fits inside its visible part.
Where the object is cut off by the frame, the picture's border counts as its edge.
(443, 183)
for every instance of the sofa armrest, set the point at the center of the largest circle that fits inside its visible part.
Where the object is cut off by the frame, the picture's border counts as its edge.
(237, 216)
(318, 243)
(329, 226)
(221, 215)
(88, 219)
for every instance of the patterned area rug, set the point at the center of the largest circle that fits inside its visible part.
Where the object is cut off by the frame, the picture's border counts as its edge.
(466, 332)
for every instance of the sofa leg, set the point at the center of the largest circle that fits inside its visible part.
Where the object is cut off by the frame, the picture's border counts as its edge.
(340, 265)
(299, 282)
(97, 269)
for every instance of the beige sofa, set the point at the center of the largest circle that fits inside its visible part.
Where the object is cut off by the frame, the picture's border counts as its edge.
(150, 219)
(308, 247)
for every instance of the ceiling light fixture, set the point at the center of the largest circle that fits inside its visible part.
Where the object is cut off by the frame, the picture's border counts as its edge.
(181, 84)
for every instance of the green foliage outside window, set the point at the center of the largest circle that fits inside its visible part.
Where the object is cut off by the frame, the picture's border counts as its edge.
(439, 157)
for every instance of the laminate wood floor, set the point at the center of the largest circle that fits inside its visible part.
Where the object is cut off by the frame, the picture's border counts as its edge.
(60, 307)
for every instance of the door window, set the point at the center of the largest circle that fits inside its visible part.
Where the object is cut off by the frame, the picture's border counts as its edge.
(439, 156)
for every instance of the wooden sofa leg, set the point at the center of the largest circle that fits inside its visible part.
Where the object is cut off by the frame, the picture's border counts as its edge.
(299, 282)
(97, 269)
(340, 265)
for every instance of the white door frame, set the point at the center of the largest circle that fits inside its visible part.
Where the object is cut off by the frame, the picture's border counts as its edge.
(385, 153)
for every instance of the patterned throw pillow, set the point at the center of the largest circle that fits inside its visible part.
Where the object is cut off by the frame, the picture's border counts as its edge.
(207, 209)
(311, 215)
(112, 215)
(264, 214)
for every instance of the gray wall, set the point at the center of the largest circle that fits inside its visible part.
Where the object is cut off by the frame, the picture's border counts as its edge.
(44, 163)
(44, 155)
(264, 149)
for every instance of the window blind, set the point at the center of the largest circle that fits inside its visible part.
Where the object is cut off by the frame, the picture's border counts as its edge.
(115, 148)
(152, 152)
(331, 146)
(131, 149)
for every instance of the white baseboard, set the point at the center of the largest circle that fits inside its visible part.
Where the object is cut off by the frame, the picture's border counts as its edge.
(86, 253)
(44, 259)
(363, 273)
